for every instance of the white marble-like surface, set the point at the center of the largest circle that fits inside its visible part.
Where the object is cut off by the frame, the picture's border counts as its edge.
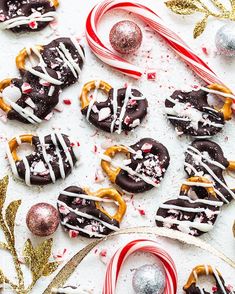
(171, 74)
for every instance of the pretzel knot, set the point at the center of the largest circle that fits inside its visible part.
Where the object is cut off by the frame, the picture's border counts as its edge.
(15, 143)
(92, 85)
(24, 54)
(226, 110)
(205, 270)
(112, 194)
(3, 105)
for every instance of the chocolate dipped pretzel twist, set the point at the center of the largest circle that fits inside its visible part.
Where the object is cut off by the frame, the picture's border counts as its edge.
(82, 213)
(31, 98)
(206, 158)
(27, 15)
(192, 287)
(194, 216)
(147, 162)
(191, 114)
(119, 110)
(54, 157)
(64, 55)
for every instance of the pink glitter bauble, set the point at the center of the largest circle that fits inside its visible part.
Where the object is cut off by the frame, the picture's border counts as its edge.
(42, 219)
(125, 37)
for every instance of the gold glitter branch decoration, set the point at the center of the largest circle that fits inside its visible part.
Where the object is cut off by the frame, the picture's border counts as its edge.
(36, 258)
(187, 7)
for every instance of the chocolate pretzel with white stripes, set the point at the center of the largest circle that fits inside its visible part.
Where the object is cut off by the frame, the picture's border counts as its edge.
(145, 167)
(191, 114)
(206, 158)
(192, 287)
(64, 55)
(27, 15)
(31, 98)
(118, 110)
(53, 158)
(81, 211)
(193, 213)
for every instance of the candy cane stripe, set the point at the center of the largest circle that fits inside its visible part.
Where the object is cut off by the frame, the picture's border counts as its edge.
(157, 24)
(121, 255)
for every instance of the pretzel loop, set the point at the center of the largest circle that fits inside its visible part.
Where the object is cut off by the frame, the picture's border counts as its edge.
(106, 165)
(200, 270)
(210, 190)
(55, 3)
(23, 55)
(92, 85)
(114, 195)
(3, 105)
(14, 144)
(226, 109)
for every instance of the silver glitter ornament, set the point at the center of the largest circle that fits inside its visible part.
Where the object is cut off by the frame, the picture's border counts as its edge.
(125, 37)
(149, 279)
(225, 40)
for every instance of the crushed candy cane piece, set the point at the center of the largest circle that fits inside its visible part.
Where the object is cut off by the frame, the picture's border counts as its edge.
(73, 234)
(104, 113)
(151, 75)
(67, 101)
(33, 25)
(26, 88)
(146, 147)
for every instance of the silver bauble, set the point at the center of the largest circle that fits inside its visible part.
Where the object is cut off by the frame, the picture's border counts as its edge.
(225, 40)
(149, 279)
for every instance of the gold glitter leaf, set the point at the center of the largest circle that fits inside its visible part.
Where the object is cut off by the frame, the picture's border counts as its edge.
(183, 7)
(2, 278)
(3, 190)
(10, 215)
(37, 258)
(50, 268)
(200, 27)
(3, 246)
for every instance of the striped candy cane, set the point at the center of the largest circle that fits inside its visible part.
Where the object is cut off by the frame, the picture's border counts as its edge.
(156, 23)
(120, 256)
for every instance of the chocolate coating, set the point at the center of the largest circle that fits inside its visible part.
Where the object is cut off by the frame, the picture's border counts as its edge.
(134, 114)
(194, 289)
(208, 215)
(84, 206)
(44, 177)
(152, 163)
(53, 59)
(204, 167)
(203, 119)
(11, 9)
(39, 95)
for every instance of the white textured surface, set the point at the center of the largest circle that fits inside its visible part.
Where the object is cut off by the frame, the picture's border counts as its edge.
(171, 74)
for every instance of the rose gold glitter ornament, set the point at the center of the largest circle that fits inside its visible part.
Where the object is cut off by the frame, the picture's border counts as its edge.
(42, 219)
(125, 37)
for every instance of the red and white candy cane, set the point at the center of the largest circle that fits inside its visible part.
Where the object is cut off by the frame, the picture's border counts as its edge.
(149, 246)
(156, 23)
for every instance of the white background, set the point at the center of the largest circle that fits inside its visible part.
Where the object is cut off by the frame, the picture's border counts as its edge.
(171, 74)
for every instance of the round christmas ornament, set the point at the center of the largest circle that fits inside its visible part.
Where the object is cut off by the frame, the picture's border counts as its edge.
(225, 40)
(152, 285)
(149, 279)
(42, 219)
(125, 37)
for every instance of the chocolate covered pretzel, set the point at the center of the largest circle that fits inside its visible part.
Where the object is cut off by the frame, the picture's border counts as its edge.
(82, 213)
(118, 110)
(27, 15)
(191, 114)
(64, 55)
(193, 214)
(53, 158)
(206, 158)
(146, 164)
(31, 98)
(192, 287)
